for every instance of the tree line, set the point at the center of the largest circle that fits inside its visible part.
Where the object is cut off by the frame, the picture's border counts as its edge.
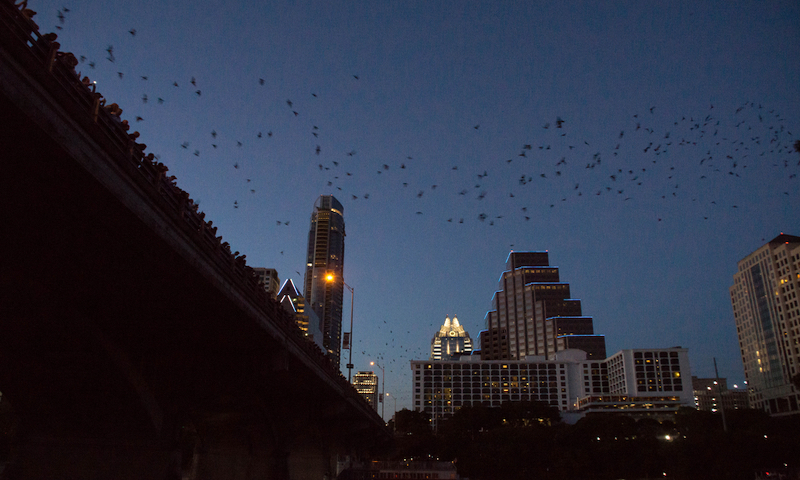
(529, 440)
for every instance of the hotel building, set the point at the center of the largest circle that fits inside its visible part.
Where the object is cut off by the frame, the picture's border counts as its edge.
(638, 382)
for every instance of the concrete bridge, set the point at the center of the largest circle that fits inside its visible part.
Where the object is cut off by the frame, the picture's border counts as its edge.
(133, 344)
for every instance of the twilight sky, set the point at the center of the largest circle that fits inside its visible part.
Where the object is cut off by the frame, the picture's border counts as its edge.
(436, 124)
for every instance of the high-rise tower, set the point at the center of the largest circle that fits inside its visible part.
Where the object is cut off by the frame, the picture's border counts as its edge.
(268, 278)
(534, 314)
(366, 384)
(765, 300)
(451, 341)
(324, 284)
(294, 303)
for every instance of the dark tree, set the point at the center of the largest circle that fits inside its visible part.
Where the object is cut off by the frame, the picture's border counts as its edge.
(527, 414)
(468, 422)
(413, 435)
(412, 422)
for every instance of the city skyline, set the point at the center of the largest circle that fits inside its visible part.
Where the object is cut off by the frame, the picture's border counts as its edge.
(488, 100)
(652, 383)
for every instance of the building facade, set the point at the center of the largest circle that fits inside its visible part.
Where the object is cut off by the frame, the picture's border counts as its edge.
(451, 341)
(324, 282)
(420, 469)
(307, 321)
(534, 310)
(268, 278)
(765, 300)
(640, 382)
(494, 344)
(713, 395)
(366, 383)
(649, 372)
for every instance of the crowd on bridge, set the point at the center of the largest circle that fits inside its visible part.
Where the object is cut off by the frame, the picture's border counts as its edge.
(111, 130)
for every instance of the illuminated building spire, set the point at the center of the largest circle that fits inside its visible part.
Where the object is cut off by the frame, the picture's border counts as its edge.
(451, 341)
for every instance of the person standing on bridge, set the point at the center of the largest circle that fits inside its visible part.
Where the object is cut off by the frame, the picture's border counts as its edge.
(114, 111)
(28, 14)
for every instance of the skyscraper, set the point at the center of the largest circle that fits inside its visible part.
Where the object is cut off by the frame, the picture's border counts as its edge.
(536, 314)
(366, 383)
(451, 341)
(324, 284)
(268, 278)
(294, 303)
(765, 300)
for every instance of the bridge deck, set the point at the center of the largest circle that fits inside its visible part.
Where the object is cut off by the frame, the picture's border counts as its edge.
(122, 311)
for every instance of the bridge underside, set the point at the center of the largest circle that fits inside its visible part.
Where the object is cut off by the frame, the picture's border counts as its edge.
(121, 360)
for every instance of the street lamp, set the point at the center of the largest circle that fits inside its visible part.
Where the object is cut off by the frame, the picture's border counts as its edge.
(395, 410)
(330, 278)
(383, 385)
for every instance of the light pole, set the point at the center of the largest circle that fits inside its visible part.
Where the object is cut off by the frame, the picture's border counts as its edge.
(383, 386)
(330, 278)
(394, 423)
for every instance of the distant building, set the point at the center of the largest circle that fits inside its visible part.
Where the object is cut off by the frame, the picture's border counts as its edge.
(291, 300)
(268, 278)
(324, 284)
(711, 395)
(451, 341)
(765, 300)
(649, 371)
(366, 383)
(403, 469)
(639, 382)
(536, 314)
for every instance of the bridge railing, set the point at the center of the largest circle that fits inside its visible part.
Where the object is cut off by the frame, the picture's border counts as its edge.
(40, 56)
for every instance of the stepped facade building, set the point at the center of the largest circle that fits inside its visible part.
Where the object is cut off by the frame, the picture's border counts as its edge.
(539, 347)
(534, 314)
